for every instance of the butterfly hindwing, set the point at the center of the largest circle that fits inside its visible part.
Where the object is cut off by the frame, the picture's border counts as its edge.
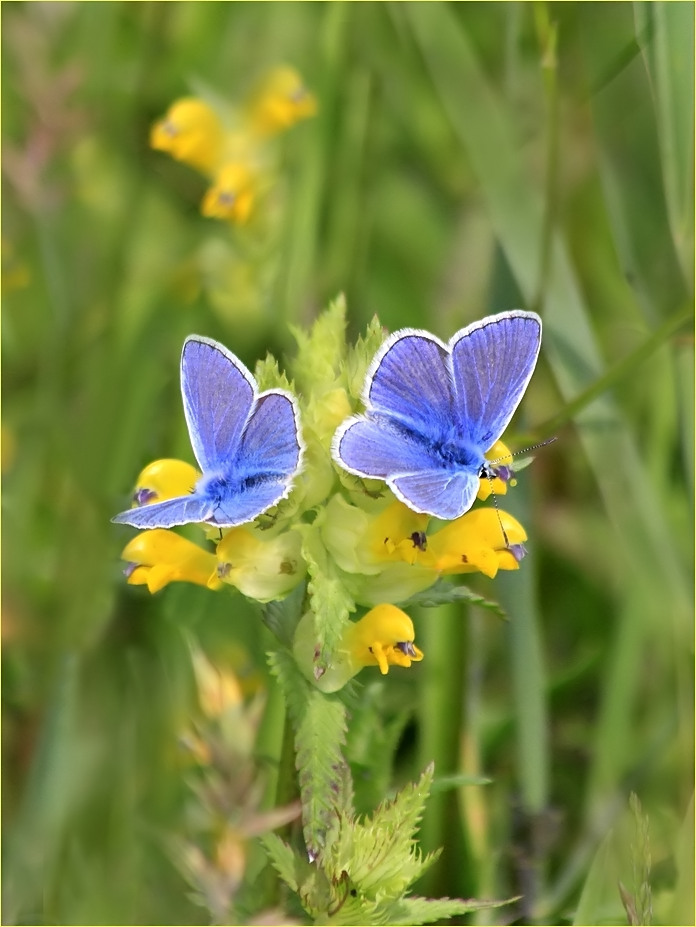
(167, 514)
(377, 446)
(436, 492)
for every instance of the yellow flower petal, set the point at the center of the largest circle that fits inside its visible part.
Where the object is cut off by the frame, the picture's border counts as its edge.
(190, 132)
(160, 556)
(383, 637)
(165, 479)
(478, 541)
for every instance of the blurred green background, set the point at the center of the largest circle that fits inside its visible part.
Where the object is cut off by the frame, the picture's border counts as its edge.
(466, 158)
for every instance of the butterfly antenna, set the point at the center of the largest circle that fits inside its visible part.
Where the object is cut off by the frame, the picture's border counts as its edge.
(497, 509)
(526, 450)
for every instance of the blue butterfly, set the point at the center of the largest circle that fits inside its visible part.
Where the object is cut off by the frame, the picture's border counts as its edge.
(432, 410)
(247, 444)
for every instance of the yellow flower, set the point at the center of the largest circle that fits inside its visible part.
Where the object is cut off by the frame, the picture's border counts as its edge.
(280, 102)
(500, 453)
(165, 479)
(377, 551)
(383, 638)
(260, 569)
(158, 557)
(485, 540)
(232, 195)
(190, 132)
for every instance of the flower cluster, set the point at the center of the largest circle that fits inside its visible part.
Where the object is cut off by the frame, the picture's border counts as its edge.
(232, 149)
(354, 544)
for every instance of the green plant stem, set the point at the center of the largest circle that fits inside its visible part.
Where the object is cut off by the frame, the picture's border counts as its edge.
(270, 742)
(516, 592)
(443, 633)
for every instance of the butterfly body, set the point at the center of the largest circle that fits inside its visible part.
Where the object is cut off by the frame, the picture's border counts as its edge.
(247, 444)
(433, 410)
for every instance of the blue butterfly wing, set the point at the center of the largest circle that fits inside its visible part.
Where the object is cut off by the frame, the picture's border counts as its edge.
(376, 446)
(218, 393)
(492, 363)
(270, 443)
(445, 494)
(179, 511)
(270, 454)
(408, 398)
(410, 382)
(258, 495)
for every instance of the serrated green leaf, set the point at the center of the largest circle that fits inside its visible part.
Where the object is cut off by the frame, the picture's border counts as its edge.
(360, 357)
(319, 721)
(330, 601)
(284, 860)
(379, 854)
(416, 910)
(269, 375)
(443, 592)
(321, 350)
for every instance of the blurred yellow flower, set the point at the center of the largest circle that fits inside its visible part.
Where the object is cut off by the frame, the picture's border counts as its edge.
(280, 101)
(190, 132)
(261, 569)
(232, 195)
(159, 556)
(164, 479)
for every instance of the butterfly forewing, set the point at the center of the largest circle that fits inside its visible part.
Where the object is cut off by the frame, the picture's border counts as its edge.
(411, 383)
(492, 363)
(218, 393)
